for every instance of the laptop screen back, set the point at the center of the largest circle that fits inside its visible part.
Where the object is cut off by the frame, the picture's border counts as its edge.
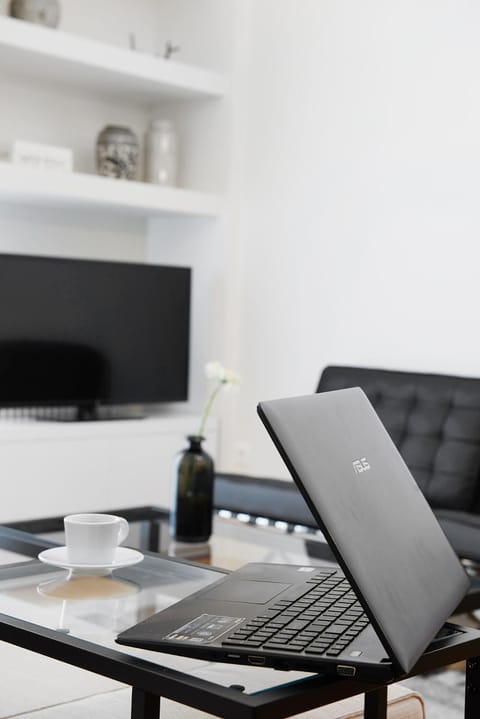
(375, 517)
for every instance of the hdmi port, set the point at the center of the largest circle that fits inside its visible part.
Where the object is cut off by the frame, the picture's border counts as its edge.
(257, 661)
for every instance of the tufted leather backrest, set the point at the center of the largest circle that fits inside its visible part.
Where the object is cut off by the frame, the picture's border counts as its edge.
(434, 421)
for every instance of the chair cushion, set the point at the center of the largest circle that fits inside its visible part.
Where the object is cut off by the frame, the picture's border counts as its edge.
(435, 422)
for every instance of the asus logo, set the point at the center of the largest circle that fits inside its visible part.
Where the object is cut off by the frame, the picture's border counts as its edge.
(360, 465)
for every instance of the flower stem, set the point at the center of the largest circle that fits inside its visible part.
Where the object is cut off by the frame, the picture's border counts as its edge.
(208, 407)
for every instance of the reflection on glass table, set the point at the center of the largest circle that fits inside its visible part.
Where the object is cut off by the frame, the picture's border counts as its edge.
(97, 608)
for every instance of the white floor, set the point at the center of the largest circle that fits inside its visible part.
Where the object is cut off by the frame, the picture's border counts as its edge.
(442, 692)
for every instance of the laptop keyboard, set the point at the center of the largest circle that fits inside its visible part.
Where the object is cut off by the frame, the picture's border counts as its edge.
(322, 617)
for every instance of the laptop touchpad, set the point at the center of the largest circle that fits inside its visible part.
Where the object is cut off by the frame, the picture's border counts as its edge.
(251, 591)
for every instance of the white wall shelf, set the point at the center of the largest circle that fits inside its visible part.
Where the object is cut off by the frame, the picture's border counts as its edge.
(76, 190)
(37, 52)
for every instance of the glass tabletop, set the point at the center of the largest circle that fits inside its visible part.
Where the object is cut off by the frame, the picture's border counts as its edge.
(97, 609)
(77, 618)
(234, 540)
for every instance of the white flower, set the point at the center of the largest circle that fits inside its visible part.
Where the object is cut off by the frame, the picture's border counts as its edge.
(231, 378)
(224, 378)
(215, 370)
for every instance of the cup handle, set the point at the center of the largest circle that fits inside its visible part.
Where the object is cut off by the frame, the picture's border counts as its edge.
(123, 530)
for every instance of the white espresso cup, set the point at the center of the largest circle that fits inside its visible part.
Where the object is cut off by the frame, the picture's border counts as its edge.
(93, 538)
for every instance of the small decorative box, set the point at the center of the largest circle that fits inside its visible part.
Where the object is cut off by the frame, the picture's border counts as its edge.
(42, 157)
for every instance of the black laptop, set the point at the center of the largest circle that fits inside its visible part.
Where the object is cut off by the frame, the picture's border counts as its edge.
(371, 617)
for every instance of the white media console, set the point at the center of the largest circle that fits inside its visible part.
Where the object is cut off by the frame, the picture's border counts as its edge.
(55, 468)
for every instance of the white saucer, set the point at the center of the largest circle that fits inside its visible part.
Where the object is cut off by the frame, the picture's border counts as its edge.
(58, 557)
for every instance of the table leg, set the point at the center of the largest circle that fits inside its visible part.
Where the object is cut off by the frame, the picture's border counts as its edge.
(154, 536)
(144, 705)
(472, 689)
(150, 535)
(375, 706)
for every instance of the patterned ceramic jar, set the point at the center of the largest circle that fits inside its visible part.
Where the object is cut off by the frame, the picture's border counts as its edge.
(42, 12)
(117, 152)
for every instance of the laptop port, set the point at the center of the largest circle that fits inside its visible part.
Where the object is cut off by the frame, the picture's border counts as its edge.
(256, 661)
(345, 671)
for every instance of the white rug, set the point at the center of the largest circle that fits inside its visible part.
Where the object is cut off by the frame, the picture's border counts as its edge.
(443, 693)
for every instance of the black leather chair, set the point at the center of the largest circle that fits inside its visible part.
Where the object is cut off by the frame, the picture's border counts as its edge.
(434, 421)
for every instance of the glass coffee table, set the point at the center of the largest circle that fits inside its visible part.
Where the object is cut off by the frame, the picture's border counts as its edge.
(75, 619)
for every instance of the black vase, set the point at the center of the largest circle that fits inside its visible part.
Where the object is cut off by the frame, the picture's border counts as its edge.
(191, 518)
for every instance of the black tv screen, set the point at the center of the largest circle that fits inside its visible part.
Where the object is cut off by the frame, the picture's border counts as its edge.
(88, 333)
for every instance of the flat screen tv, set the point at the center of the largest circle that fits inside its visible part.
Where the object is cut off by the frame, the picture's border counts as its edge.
(89, 334)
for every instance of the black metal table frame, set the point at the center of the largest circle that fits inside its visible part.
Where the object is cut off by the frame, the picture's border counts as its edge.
(150, 682)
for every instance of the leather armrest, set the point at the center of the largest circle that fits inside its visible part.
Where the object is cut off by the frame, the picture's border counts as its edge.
(275, 499)
(463, 532)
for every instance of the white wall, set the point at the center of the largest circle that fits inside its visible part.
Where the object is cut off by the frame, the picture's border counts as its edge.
(207, 140)
(360, 214)
(349, 152)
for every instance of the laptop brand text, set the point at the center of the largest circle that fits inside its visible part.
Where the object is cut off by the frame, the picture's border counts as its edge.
(361, 465)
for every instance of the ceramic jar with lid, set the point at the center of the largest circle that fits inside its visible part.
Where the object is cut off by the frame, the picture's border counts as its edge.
(117, 152)
(161, 153)
(41, 12)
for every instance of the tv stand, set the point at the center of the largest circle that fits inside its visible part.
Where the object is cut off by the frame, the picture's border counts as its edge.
(81, 413)
(98, 417)
(59, 468)
(97, 413)
(87, 413)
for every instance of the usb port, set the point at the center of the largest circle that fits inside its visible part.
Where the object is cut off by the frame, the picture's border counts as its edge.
(257, 661)
(345, 671)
